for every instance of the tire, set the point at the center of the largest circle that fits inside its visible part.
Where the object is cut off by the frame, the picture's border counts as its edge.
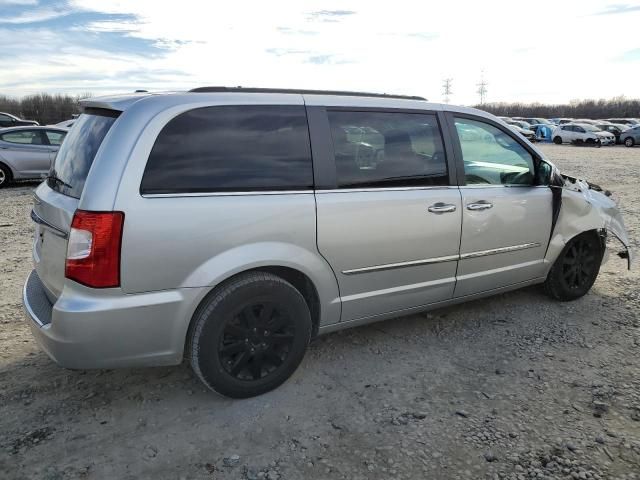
(576, 268)
(250, 335)
(629, 142)
(557, 140)
(5, 175)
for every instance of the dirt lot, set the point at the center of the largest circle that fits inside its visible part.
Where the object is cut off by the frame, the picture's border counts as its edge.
(516, 387)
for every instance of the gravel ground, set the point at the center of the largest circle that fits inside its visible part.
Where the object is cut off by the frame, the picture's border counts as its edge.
(516, 387)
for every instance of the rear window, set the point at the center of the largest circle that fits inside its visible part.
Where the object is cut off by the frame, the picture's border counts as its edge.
(231, 148)
(74, 159)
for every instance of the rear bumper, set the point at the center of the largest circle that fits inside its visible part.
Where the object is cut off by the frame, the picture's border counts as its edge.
(88, 328)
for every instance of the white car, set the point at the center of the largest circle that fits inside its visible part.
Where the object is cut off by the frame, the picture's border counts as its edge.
(582, 133)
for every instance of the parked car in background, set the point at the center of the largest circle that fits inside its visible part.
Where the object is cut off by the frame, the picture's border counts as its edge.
(625, 121)
(611, 128)
(8, 120)
(543, 131)
(562, 121)
(582, 133)
(520, 123)
(288, 234)
(631, 136)
(27, 152)
(65, 123)
(525, 132)
(535, 120)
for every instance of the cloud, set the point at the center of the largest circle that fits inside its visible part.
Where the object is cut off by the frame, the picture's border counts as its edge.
(329, 15)
(619, 8)
(296, 31)
(279, 52)
(327, 59)
(630, 56)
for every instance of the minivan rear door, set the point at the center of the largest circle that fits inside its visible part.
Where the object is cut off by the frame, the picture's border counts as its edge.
(56, 199)
(388, 216)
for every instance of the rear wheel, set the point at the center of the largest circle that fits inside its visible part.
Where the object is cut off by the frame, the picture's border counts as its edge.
(576, 268)
(250, 336)
(557, 140)
(5, 175)
(629, 142)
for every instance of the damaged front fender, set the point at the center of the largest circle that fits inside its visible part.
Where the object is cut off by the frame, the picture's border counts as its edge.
(584, 207)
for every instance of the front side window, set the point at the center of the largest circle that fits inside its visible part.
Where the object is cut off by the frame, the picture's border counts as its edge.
(491, 156)
(231, 148)
(384, 149)
(25, 137)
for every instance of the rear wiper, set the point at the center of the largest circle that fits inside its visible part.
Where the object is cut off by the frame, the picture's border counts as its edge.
(58, 180)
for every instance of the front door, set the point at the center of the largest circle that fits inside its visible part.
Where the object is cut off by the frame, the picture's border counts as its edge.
(390, 224)
(506, 218)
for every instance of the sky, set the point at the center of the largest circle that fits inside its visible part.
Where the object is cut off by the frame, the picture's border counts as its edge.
(544, 51)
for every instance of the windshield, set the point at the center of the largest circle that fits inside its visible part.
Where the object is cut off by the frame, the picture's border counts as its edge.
(589, 128)
(71, 166)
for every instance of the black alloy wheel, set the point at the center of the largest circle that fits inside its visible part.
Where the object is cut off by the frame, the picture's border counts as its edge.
(579, 264)
(249, 335)
(575, 270)
(256, 341)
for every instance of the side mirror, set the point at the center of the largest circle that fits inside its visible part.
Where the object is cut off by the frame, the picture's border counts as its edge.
(543, 173)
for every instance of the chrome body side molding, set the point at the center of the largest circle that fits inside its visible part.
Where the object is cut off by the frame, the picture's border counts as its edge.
(449, 258)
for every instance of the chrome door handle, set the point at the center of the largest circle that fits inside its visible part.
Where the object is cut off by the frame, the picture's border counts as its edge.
(480, 205)
(442, 208)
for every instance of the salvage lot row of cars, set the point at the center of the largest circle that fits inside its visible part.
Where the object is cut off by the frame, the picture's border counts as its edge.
(582, 131)
(26, 148)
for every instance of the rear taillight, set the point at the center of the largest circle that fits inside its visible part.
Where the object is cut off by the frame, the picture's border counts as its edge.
(93, 251)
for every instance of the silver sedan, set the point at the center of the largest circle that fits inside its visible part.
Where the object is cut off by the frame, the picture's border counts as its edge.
(27, 152)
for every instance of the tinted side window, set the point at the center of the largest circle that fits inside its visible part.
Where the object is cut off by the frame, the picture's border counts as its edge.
(382, 149)
(491, 156)
(231, 148)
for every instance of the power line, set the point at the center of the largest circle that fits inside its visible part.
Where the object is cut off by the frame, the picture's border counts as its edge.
(482, 88)
(446, 89)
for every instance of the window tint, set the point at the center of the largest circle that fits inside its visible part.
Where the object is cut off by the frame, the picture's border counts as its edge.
(75, 157)
(26, 137)
(491, 156)
(231, 148)
(380, 149)
(55, 137)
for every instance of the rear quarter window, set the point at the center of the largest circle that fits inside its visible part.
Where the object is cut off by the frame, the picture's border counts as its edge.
(231, 148)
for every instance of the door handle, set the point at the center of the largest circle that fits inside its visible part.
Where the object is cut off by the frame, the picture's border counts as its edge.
(480, 205)
(442, 208)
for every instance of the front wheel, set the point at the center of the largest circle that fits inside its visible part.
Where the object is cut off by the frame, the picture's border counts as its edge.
(250, 336)
(5, 176)
(576, 268)
(557, 140)
(629, 142)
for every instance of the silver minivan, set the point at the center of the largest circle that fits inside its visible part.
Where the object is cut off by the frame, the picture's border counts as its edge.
(229, 226)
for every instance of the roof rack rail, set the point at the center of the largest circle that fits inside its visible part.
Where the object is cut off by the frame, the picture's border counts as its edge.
(300, 91)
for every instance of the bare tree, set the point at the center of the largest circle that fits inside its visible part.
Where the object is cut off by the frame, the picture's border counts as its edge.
(620, 107)
(42, 107)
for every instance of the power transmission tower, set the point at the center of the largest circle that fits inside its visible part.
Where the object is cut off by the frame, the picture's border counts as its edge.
(482, 89)
(446, 89)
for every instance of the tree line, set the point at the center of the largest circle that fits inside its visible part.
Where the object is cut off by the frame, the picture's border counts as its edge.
(45, 108)
(618, 107)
